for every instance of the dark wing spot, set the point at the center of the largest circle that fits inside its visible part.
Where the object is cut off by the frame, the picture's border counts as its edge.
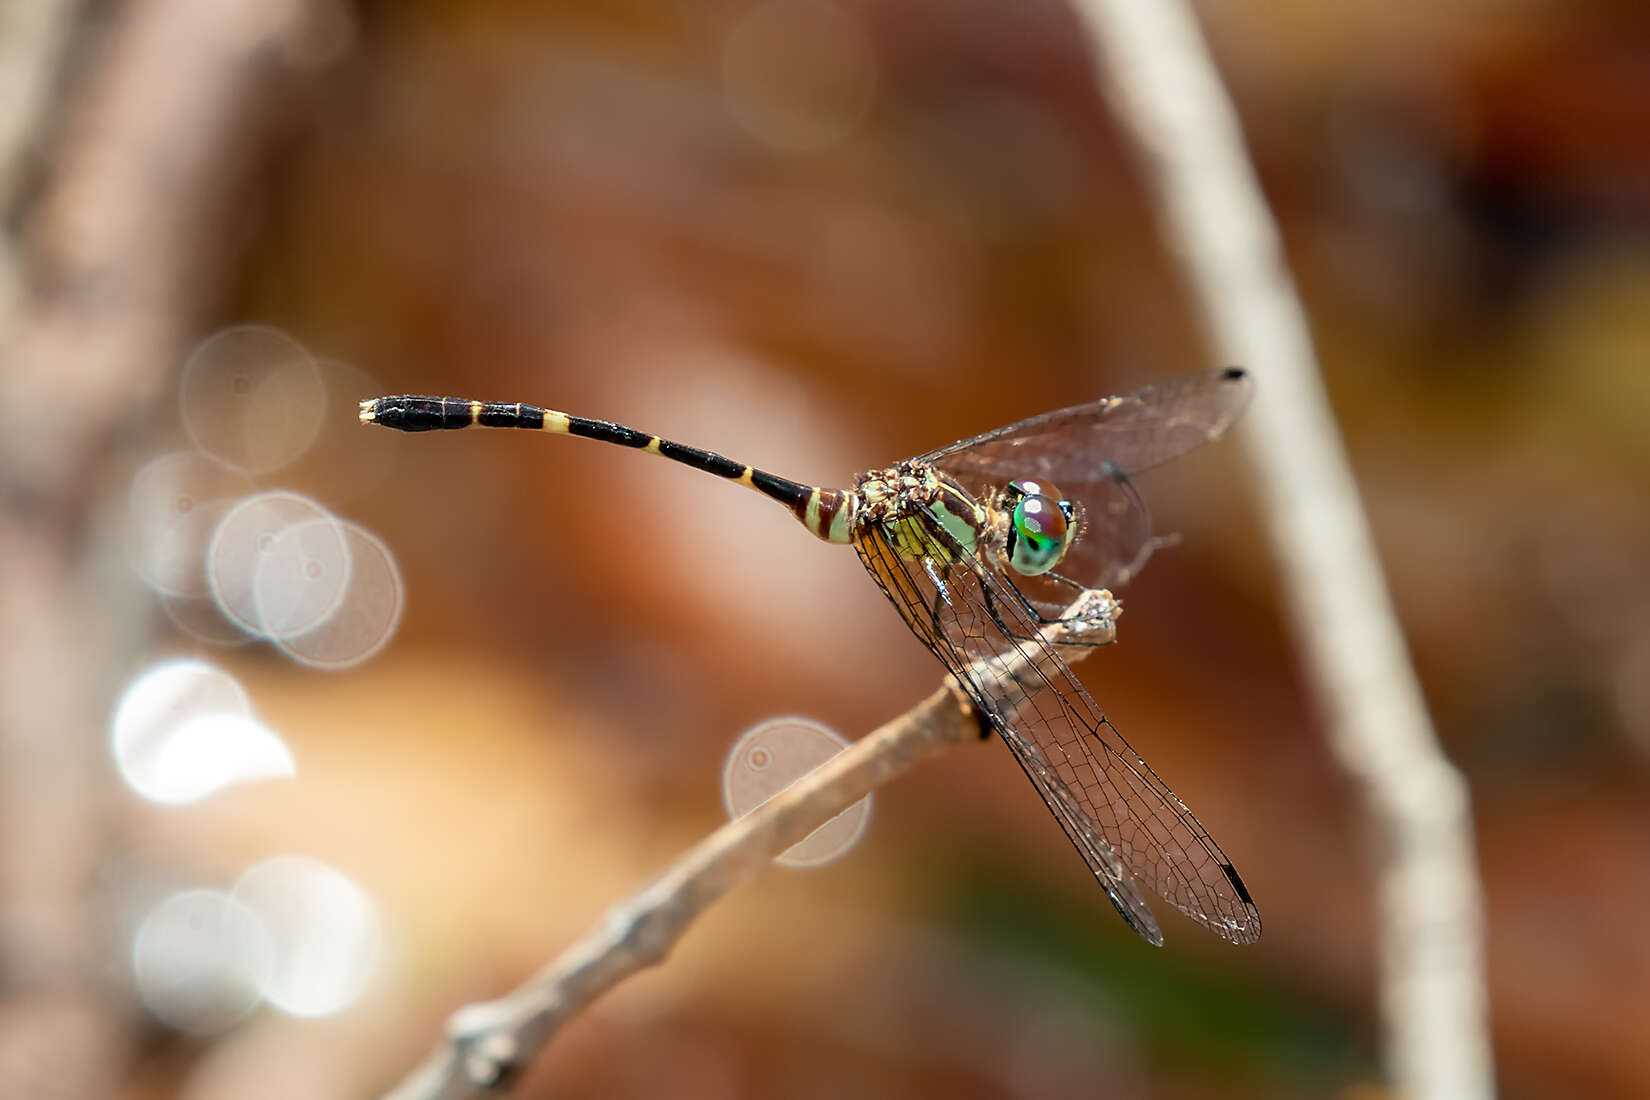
(1237, 883)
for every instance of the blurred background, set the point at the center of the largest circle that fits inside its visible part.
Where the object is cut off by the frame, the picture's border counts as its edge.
(310, 734)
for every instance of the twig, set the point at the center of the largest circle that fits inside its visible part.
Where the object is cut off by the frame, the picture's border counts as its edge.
(1163, 86)
(489, 1043)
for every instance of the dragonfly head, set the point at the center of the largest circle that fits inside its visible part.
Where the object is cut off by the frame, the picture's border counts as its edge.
(1041, 526)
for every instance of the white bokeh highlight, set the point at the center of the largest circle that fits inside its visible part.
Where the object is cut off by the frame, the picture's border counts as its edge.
(302, 578)
(771, 756)
(231, 561)
(368, 614)
(278, 563)
(200, 960)
(324, 931)
(183, 730)
(173, 505)
(206, 754)
(252, 397)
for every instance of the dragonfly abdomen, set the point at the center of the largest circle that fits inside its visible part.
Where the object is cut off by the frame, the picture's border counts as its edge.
(826, 513)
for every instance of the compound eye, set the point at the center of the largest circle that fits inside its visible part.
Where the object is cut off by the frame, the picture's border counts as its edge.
(1039, 529)
(1026, 487)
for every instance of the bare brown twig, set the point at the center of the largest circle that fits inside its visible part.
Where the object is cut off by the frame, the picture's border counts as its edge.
(1164, 88)
(487, 1043)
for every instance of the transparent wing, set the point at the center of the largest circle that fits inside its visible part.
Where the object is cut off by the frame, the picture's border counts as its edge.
(1092, 452)
(1121, 817)
(1134, 432)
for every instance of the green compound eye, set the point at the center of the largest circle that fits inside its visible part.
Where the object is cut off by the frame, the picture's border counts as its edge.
(1039, 528)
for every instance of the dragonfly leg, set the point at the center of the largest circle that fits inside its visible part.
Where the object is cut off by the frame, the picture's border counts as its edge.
(1035, 612)
(1044, 620)
(1006, 630)
(981, 716)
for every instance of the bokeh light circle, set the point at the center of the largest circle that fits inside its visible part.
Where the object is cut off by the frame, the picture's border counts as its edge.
(252, 397)
(183, 730)
(368, 616)
(301, 576)
(173, 505)
(324, 931)
(168, 694)
(771, 756)
(200, 960)
(242, 544)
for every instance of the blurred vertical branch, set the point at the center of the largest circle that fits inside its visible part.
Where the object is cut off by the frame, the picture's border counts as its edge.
(32, 42)
(1164, 88)
(121, 244)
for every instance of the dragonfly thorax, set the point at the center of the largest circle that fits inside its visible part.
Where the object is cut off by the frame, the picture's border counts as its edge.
(922, 513)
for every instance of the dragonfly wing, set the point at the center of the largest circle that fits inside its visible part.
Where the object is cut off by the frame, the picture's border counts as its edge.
(1134, 432)
(1093, 452)
(1121, 817)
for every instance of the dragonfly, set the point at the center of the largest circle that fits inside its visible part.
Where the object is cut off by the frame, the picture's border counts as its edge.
(981, 546)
